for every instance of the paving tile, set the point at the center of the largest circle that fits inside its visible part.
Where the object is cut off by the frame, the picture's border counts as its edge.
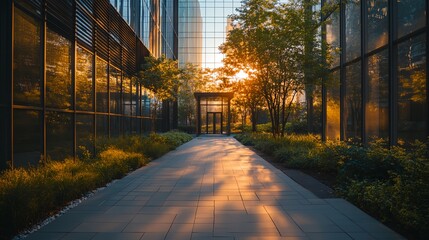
(100, 227)
(147, 228)
(212, 188)
(117, 236)
(79, 236)
(154, 218)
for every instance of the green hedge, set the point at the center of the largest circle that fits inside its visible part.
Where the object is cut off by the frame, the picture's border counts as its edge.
(391, 184)
(27, 196)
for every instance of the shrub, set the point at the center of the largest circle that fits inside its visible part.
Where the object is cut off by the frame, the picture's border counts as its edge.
(30, 195)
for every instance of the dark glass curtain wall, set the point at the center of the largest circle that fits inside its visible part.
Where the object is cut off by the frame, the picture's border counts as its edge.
(379, 82)
(70, 73)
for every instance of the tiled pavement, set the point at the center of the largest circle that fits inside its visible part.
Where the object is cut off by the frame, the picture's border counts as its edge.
(211, 188)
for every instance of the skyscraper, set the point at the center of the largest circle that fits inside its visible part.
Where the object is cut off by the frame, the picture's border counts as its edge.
(202, 29)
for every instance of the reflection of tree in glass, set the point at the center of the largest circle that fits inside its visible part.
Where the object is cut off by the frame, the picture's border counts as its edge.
(84, 86)
(115, 90)
(58, 71)
(377, 29)
(101, 85)
(333, 107)
(27, 74)
(353, 31)
(410, 15)
(353, 99)
(59, 135)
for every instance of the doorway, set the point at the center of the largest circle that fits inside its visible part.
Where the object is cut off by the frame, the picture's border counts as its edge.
(214, 123)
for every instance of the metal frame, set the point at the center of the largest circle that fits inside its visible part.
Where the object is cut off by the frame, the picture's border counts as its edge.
(200, 96)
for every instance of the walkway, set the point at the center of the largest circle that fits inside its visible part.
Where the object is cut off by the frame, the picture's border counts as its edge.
(211, 188)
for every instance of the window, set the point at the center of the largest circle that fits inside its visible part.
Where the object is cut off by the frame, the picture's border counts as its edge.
(27, 138)
(84, 85)
(101, 86)
(333, 37)
(58, 71)
(84, 135)
(378, 24)
(59, 135)
(410, 16)
(27, 60)
(353, 102)
(333, 107)
(377, 102)
(115, 90)
(102, 127)
(353, 30)
(412, 100)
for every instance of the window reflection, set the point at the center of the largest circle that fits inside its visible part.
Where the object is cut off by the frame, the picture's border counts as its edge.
(101, 85)
(377, 24)
(126, 94)
(58, 71)
(410, 16)
(377, 102)
(59, 135)
(115, 90)
(102, 130)
(333, 37)
(84, 135)
(333, 107)
(412, 100)
(353, 30)
(27, 138)
(353, 102)
(84, 86)
(27, 55)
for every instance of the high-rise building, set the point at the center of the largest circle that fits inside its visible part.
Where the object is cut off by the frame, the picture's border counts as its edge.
(203, 28)
(66, 70)
(379, 86)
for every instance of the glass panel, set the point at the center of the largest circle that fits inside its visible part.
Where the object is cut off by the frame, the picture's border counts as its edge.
(27, 58)
(333, 37)
(126, 93)
(412, 100)
(84, 135)
(102, 127)
(27, 138)
(353, 102)
(377, 102)
(353, 30)
(115, 126)
(101, 85)
(333, 108)
(59, 135)
(145, 103)
(410, 16)
(58, 71)
(378, 24)
(84, 86)
(115, 90)
(134, 100)
(127, 125)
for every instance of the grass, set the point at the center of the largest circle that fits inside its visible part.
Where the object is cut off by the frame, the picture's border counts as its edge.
(28, 196)
(391, 184)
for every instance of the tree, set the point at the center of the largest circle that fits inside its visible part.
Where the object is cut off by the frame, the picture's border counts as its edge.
(192, 81)
(272, 41)
(161, 76)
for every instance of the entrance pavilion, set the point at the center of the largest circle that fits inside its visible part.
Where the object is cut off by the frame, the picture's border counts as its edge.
(213, 112)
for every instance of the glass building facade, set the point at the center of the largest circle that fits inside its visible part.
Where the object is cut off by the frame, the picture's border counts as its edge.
(154, 21)
(379, 82)
(203, 27)
(66, 70)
